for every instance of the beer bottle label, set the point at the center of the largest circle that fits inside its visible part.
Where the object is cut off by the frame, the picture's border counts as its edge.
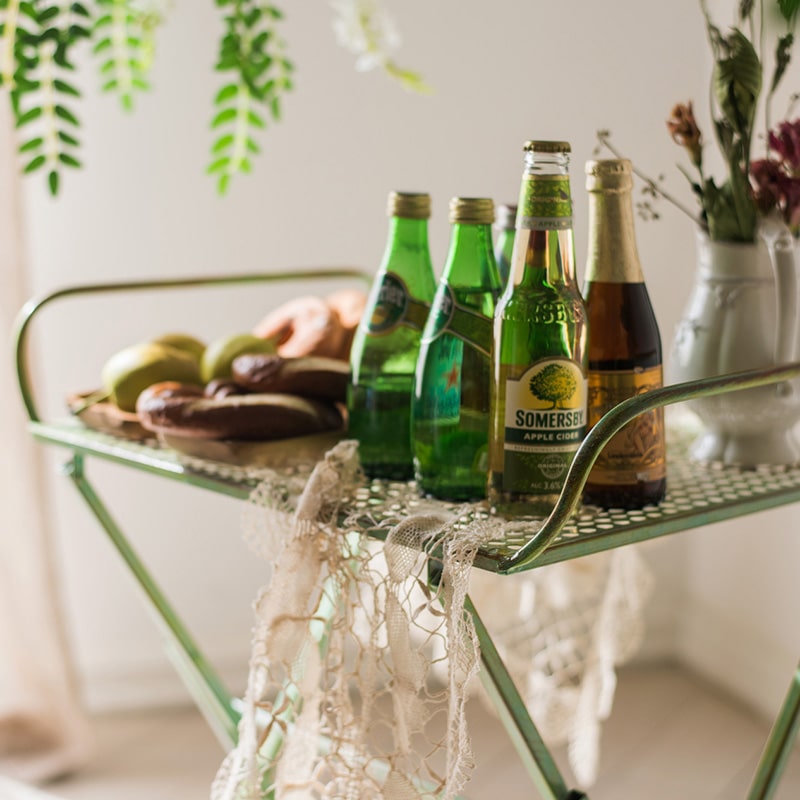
(637, 452)
(545, 422)
(395, 306)
(463, 323)
(545, 203)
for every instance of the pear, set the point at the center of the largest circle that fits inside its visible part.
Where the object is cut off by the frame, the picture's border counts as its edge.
(131, 370)
(183, 341)
(219, 354)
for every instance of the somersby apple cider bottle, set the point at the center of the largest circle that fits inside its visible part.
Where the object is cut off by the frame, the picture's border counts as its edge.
(625, 346)
(538, 388)
(386, 344)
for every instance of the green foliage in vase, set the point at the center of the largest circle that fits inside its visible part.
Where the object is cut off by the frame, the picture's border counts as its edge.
(252, 55)
(730, 209)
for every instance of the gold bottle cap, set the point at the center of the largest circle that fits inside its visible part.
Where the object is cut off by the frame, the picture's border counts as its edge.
(609, 175)
(506, 217)
(410, 205)
(539, 146)
(471, 210)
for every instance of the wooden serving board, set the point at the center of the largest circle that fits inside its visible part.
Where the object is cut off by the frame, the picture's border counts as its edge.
(108, 418)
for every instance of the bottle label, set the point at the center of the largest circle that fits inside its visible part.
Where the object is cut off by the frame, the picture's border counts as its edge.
(395, 306)
(463, 323)
(545, 422)
(545, 203)
(637, 452)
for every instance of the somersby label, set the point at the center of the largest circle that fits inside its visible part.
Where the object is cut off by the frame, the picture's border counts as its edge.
(545, 422)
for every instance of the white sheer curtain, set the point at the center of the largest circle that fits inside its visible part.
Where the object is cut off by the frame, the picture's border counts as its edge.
(43, 731)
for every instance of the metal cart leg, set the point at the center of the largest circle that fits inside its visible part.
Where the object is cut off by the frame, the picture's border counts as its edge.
(518, 723)
(779, 744)
(202, 681)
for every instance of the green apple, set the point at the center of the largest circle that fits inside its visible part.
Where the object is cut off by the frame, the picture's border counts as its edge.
(219, 354)
(131, 370)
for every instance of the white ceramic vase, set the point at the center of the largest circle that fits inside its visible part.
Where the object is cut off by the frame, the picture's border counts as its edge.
(742, 314)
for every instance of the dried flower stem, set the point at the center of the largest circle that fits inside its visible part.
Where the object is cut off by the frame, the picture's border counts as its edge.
(604, 138)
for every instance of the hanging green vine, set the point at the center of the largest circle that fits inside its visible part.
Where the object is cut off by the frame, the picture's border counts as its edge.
(124, 42)
(252, 54)
(38, 39)
(41, 36)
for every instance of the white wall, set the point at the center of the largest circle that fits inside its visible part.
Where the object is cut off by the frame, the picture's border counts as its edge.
(503, 72)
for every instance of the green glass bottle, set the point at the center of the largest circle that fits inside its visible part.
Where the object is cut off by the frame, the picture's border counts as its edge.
(450, 408)
(539, 364)
(385, 348)
(504, 246)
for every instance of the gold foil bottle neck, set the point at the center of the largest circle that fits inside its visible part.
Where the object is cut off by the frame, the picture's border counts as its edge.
(409, 205)
(609, 175)
(612, 256)
(471, 211)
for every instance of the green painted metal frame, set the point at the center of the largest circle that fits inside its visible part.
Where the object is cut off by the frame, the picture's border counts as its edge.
(542, 547)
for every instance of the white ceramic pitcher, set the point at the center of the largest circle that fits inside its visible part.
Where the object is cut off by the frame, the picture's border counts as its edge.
(743, 314)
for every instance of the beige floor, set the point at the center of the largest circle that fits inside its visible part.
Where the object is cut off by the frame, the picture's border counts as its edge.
(671, 737)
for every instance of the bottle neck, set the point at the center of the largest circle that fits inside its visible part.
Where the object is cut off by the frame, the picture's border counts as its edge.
(612, 254)
(408, 255)
(470, 259)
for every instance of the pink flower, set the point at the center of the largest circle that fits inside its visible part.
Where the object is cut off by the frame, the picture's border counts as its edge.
(786, 143)
(768, 178)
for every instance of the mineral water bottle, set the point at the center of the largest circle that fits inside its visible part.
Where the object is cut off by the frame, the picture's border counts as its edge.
(450, 410)
(386, 344)
(504, 246)
(625, 346)
(539, 365)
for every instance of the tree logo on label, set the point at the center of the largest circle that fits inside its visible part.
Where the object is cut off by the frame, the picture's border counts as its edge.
(554, 383)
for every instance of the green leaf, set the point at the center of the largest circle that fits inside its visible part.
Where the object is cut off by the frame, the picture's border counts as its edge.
(737, 82)
(66, 114)
(110, 86)
(226, 93)
(252, 146)
(70, 161)
(783, 55)
(47, 14)
(103, 44)
(255, 120)
(30, 115)
(33, 144)
(220, 163)
(789, 8)
(222, 183)
(66, 88)
(52, 181)
(222, 143)
(34, 164)
(67, 139)
(226, 115)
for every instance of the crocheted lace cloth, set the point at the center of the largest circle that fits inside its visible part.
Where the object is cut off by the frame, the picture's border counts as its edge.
(361, 669)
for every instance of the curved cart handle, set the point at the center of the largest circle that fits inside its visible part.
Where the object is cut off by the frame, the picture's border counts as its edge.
(613, 421)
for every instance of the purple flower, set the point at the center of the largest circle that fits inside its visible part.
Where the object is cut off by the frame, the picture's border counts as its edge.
(767, 177)
(786, 143)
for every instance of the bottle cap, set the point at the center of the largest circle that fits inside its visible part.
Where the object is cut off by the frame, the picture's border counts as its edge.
(506, 217)
(410, 205)
(609, 175)
(539, 146)
(472, 210)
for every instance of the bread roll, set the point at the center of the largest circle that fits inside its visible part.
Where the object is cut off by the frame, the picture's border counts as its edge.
(312, 376)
